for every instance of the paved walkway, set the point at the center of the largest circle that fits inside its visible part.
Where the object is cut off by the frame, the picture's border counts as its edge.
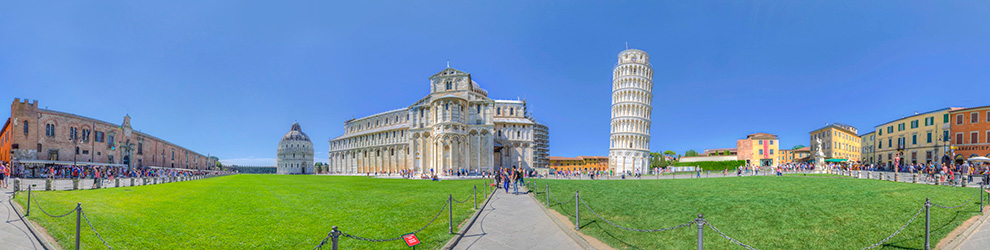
(14, 235)
(514, 222)
(980, 240)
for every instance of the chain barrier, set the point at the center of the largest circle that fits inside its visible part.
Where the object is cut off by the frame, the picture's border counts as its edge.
(94, 231)
(734, 241)
(53, 216)
(400, 237)
(898, 230)
(323, 242)
(960, 205)
(633, 229)
(465, 200)
(558, 201)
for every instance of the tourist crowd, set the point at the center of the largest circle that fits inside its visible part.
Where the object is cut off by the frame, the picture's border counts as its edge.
(97, 172)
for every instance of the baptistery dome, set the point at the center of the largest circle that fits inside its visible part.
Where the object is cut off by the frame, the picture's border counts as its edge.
(295, 152)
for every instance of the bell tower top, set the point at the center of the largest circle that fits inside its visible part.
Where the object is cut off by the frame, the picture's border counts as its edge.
(127, 121)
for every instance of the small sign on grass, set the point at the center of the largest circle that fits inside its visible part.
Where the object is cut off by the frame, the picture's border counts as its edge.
(411, 240)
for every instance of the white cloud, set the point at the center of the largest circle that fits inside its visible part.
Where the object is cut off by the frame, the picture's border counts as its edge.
(250, 161)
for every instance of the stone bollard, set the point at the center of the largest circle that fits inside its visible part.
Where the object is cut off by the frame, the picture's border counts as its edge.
(75, 184)
(914, 178)
(881, 176)
(17, 184)
(132, 182)
(48, 184)
(97, 183)
(897, 178)
(118, 182)
(962, 181)
(937, 177)
(154, 181)
(869, 175)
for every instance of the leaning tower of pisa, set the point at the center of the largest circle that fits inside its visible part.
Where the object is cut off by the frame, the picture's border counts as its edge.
(632, 95)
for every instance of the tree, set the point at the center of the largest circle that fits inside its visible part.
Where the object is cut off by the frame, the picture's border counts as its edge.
(797, 147)
(690, 153)
(669, 153)
(655, 160)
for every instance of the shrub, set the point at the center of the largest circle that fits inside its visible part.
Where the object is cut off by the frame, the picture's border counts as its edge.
(713, 165)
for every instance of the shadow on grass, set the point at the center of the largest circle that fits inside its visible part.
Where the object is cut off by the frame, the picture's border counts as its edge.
(608, 233)
(921, 237)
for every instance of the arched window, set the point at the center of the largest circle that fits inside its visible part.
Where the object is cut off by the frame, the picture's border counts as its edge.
(512, 111)
(25, 127)
(498, 110)
(448, 84)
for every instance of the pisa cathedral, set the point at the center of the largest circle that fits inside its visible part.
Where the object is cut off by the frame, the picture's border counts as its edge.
(457, 127)
(632, 98)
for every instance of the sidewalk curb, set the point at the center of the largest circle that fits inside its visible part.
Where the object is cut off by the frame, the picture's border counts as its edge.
(962, 237)
(47, 245)
(460, 233)
(566, 228)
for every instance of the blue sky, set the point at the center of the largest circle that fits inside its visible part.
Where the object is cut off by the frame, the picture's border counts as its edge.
(228, 77)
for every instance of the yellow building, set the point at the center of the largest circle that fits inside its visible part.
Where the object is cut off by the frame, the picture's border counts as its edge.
(759, 149)
(583, 163)
(866, 151)
(839, 141)
(785, 156)
(919, 138)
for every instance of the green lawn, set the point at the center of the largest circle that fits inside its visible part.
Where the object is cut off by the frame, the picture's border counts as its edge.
(257, 212)
(764, 212)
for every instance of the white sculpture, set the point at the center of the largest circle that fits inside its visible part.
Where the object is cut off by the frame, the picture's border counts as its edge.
(819, 157)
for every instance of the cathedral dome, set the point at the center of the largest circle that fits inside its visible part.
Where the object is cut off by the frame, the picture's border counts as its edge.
(295, 134)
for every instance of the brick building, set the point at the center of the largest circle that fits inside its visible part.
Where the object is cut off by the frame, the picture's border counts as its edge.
(34, 137)
(970, 130)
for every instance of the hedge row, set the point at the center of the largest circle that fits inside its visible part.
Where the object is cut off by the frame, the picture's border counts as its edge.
(713, 165)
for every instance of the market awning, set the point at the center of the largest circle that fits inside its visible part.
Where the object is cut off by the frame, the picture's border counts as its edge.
(835, 160)
(81, 163)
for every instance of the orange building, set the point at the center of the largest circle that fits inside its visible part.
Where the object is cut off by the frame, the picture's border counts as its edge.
(584, 163)
(970, 130)
(785, 156)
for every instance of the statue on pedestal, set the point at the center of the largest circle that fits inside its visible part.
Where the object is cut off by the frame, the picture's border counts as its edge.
(819, 157)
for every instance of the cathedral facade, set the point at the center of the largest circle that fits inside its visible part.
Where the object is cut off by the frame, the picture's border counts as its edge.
(457, 127)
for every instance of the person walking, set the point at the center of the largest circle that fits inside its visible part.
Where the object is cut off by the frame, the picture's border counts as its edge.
(506, 178)
(3, 175)
(516, 177)
(96, 178)
(497, 178)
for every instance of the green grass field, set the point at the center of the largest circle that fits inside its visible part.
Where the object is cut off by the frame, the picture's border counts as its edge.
(764, 212)
(257, 212)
